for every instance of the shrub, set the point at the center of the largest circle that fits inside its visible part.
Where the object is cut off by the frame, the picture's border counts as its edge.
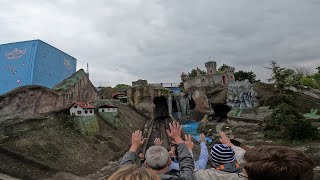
(279, 98)
(309, 81)
(302, 130)
(295, 126)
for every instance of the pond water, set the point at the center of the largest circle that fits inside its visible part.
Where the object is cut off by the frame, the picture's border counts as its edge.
(190, 127)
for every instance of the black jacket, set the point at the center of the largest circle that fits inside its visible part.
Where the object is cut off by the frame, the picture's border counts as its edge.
(186, 164)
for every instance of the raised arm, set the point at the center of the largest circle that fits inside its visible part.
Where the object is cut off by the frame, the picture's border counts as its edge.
(204, 154)
(239, 152)
(136, 142)
(186, 163)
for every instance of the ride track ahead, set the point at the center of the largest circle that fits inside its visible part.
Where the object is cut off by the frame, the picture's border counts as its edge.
(157, 129)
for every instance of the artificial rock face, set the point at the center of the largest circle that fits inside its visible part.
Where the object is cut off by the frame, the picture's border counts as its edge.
(241, 95)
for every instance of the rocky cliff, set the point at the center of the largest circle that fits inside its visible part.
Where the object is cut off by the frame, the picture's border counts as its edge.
(34, 102)
(141, 97)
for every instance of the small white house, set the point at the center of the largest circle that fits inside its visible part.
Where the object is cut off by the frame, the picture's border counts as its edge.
(108, 108)
(82, 109)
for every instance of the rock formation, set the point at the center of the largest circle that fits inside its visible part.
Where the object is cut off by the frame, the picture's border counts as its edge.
(32, 102)
(241, 95)
(141, 96)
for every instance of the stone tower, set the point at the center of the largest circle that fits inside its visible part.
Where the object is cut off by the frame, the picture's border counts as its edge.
(183, 77)
(211, 67)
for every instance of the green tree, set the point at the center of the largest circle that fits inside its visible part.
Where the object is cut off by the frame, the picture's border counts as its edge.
(310, 82)
(193, 73)
(285, 121)
(223, 66)
(318, 68)
(121, 87)
(280, 76)
(317, 77)
(242, 75)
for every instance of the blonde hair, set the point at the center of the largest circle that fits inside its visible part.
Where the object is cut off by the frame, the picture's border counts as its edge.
(133, 172)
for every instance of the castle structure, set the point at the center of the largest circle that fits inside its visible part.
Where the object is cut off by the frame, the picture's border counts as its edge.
(211, 78)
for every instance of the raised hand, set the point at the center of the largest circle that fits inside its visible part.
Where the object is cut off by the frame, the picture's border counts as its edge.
(202, 138)
(224, 139)
(175, 132)
(136, 141)
(158, 142)
(188, 142)
(172, 152)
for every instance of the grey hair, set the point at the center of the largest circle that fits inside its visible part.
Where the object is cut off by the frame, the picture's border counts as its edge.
(157, 157)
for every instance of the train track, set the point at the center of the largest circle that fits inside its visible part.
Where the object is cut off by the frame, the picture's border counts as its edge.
(157, 129)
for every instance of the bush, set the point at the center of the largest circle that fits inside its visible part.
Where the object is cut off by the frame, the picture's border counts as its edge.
(285, 120)
(310, 82)
(279, 98)
(302, 130)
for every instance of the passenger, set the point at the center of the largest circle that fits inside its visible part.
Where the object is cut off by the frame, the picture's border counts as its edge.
(277, 163)
(157, 157)
(203, 157)
(226, 159)
(133, 172)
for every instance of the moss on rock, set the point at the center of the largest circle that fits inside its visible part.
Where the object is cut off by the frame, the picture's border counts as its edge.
(86, 125)
(111, 118)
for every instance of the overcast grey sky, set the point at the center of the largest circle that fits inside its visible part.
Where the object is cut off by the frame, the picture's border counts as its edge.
(126, 40)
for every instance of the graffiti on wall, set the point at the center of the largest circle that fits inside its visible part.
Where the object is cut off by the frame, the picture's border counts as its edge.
(19, 82)
(242, 95)
(11, 69)
(67, 64)
(16, 53)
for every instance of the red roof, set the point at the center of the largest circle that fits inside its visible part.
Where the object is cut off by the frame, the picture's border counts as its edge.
(84, 105)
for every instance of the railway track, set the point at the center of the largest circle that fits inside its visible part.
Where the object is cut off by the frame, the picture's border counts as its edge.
(157, 129)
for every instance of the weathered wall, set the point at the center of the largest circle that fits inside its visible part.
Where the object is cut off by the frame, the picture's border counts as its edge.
(141, 98)
(30, 102)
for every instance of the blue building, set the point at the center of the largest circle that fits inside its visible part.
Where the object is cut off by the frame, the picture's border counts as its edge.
(33, 63)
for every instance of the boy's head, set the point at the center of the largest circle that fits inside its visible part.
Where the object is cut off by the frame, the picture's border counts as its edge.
(277, 163)
(222, 154)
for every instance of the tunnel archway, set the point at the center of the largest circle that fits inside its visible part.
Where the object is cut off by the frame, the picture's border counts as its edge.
(174, 105)
(221, 110)
(161, 107)
(192, 104)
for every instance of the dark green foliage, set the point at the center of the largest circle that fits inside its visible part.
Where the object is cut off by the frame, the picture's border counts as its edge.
(193, 73)
(309, 81)
(317, 77)
(223, 66)
(287, 121)
(279, 98)
(121, 87)
(302, 130)
(242, 75)
(318, 68)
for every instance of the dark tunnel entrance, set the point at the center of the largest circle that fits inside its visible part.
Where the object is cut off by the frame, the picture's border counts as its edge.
(161, 109)
(221, 111)
(192, 104)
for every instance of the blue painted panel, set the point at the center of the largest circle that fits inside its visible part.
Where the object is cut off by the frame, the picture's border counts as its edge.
(16, 61)
(175, 90)
(52, 65)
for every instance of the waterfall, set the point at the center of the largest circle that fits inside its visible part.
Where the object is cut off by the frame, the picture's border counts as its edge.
(170, 104)
(178, 103)
(183, 105)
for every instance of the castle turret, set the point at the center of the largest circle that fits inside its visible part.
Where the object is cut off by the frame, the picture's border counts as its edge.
(183, 77)
(229, 71)
(211, 67)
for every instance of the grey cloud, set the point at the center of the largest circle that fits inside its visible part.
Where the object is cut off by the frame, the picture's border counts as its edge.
(156, 40)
